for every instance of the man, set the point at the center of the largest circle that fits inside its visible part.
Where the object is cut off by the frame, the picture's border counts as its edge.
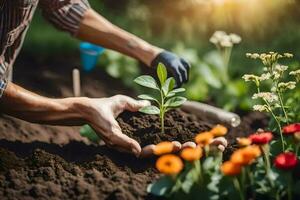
(82, 22)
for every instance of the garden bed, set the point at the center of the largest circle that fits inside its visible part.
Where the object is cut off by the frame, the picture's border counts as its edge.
(46, 162)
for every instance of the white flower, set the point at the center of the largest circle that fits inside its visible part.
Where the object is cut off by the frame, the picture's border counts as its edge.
(276, 75)
(281, 68)
(289, 85)
(214, 40)
(226, 41)
(268, 96)
(288, 55)
(265, 76)
(250, 77)
(294, 73)
(219, 34)
(260, 108)
(235, 39)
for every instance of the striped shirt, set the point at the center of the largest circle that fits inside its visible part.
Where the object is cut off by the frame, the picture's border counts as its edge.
(15, 17)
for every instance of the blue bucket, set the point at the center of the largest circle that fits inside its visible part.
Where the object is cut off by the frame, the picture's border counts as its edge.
(89, 54)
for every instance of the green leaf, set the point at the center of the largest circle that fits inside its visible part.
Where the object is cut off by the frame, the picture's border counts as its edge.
(146, 81)
(178, 90)
(162, 73)
(161, 187)
(151, 110)
(168, 85)
(147, 97)
(175, 102)
(89, 133)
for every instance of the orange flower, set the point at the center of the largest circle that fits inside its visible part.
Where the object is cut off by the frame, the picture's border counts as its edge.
(245, 156)
(163, 148)
(219, 130)
(169, 164)
(191, 154)
(244, 141)
(204, 138)
(230, 169)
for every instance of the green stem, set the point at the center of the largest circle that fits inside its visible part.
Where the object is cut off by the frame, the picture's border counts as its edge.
(199, 170)
(162, 112)
(282, 105)
(238, 187)
(275, 118)
(265, 150)
(297, 149)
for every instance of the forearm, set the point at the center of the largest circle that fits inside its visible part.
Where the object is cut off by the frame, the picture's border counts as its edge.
(96, 29)
(26, 105)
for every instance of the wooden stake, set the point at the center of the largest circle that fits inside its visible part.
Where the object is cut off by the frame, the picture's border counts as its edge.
(76, 83)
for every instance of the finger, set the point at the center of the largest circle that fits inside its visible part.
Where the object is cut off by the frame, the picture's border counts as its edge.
(176, 146)
(221, 148)
(123, 143)
(187, 67)
(177, 76)
(183, 73)
(147, 151)
(220, 141)
(128, 103)
(189, 145)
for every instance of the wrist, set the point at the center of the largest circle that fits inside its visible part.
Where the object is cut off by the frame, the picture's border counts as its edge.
(75, 108)
(149, 54)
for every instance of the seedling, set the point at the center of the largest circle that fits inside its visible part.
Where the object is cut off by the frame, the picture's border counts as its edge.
(166, 97)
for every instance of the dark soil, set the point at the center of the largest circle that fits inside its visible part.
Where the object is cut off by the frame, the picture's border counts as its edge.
(146, 129)
(46, 162)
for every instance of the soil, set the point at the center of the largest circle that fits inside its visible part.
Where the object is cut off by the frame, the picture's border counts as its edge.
(49, 162)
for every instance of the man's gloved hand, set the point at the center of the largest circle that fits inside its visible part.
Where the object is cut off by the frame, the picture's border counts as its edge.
(178, 67)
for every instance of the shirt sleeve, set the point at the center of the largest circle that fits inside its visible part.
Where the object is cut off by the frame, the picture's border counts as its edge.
(65, 15)
(3, 79)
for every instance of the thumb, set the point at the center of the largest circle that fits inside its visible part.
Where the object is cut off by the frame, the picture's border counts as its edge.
(133, 105)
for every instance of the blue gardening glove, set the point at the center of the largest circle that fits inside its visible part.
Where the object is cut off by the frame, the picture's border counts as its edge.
(178, 67)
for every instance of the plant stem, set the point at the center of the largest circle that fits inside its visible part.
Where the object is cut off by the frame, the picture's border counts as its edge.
(275, 118)
(238, 187)
(282, 105)
(162, 112)
(266, 151)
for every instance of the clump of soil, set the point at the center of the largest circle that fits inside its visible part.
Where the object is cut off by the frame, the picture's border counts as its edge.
(146, 129)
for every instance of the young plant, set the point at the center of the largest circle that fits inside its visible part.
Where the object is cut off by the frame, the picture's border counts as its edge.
(273, 101)
(166, 97)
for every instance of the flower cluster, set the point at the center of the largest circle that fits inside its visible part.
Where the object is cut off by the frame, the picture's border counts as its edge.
(170, 164)
(242, 157)
(296, 74)
(222, 39)
(273, 101)
(269, 59)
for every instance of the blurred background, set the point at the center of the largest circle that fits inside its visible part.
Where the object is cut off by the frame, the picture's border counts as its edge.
(185, 27)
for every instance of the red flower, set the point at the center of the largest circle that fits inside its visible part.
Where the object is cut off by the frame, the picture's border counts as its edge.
(286, 161)
(291, 129)
(261, 138)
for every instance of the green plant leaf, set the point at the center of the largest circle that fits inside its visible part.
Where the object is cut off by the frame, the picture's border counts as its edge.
(168, 85)
(89, 133)
(178, 90)
(175, 102)
(151, 110)
(147, 81)
(162, 73)
(147, 97)
(161, 187)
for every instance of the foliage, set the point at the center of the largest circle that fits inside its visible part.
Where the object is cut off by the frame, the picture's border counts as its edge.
(247, 174)
(263, 167)
(273, 100)
(166, 95)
